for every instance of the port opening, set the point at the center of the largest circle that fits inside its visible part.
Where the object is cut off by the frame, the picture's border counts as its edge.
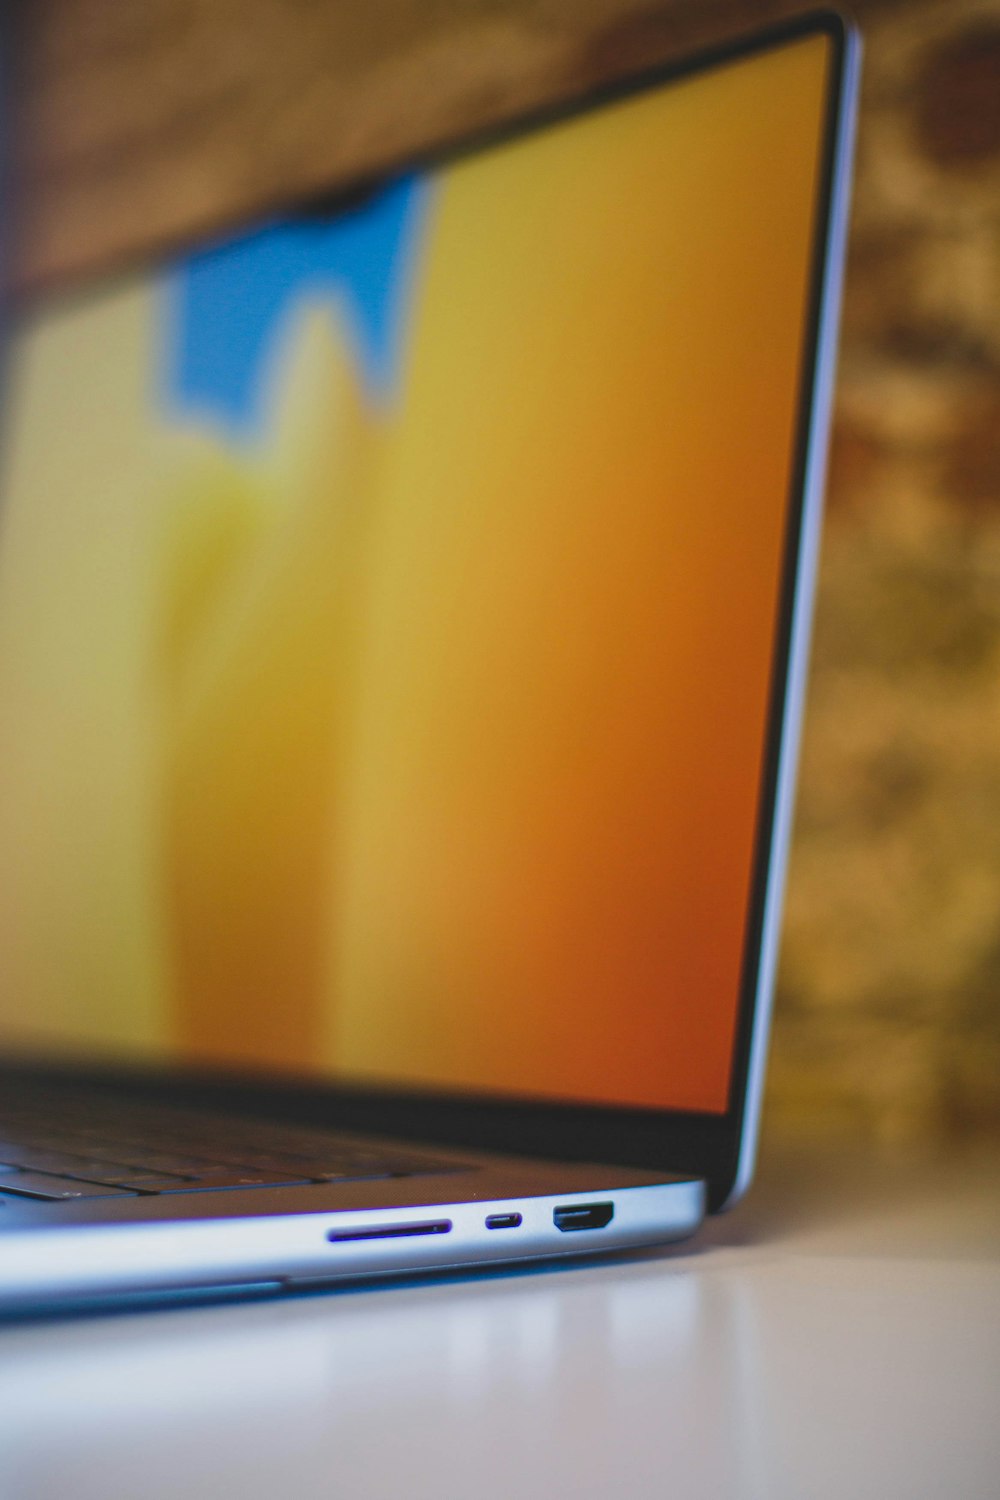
(572, 1216)
(389, 1231)
(503, 1221)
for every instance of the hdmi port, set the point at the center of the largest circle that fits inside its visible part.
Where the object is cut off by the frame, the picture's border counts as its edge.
(582, 1216)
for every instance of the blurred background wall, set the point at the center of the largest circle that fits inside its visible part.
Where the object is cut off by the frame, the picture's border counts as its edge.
(139, 124)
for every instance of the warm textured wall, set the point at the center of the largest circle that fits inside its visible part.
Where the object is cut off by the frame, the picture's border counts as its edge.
(143, 121)
(890, 990)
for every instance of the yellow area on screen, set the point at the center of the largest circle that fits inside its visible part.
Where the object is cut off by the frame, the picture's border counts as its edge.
(562, 699)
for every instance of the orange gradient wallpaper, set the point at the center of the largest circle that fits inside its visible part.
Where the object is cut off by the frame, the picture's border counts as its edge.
(387, 609)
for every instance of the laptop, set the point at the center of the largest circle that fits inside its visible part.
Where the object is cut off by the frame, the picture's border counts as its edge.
(403, 625)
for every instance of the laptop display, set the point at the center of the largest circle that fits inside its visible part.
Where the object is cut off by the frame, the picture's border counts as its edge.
(388, 613)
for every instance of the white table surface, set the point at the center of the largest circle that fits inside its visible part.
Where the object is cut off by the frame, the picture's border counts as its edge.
(837, 1335)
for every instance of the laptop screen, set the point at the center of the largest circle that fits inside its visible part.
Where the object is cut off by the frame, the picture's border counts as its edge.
(388, 607)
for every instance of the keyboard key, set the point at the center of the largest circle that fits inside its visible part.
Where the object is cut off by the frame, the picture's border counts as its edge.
(367, 1174)
(170, 1162)
(41, 1185)
(159, 1183)
(121, 1176)
(65, 1164)
(218, 1182)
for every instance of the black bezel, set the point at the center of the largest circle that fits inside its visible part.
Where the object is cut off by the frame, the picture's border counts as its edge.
(702, 1143)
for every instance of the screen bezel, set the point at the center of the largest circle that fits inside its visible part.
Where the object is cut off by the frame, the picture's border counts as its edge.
(718, 1147)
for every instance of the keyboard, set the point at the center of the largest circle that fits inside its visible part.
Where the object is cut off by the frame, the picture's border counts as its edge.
(100, 1147)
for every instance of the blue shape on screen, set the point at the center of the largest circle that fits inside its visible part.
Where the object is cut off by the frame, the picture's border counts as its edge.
(225, 305)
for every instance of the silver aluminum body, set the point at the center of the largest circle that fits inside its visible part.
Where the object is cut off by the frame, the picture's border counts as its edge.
(53, 1254)
(817, 426)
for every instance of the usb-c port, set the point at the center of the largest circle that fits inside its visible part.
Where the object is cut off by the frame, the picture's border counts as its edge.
(572, 1216)
(502, 1221)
